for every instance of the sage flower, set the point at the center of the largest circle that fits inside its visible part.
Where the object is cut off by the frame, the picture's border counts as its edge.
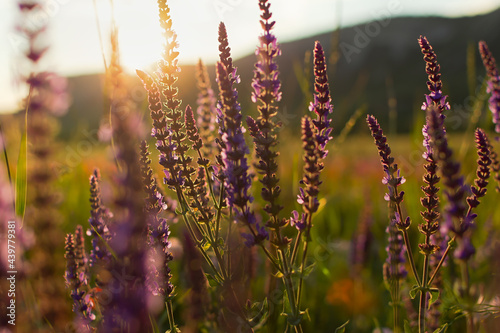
(266, 92)
(493, 83)
(434, 83)
(99, 219)
(322, 104)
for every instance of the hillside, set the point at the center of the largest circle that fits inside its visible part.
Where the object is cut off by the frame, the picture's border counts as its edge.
(374, 61)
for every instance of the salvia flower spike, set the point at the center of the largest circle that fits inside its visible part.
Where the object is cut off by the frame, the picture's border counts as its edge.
(266, 92)
(493, 83)
(456, 217)
(322, 104)
(434, 83)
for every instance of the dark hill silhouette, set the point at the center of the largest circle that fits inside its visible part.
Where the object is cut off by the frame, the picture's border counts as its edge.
(371, 62)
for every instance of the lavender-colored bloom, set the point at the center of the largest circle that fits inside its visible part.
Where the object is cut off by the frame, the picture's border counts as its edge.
(126, 306)
(312, 168)
(299, 222)
(450, 169)
(458, 219)
(483, 169)
(392, 177)
(237, 181)
(159, 255)
(430, 201)
(266, 92)
(47, 98)
(493, 83)
(76, 279)
(236, 168)
(434, 84)
(225, 54)
(322, 104)
(99, 219)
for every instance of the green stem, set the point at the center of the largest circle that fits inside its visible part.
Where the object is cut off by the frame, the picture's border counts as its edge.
(423, 292)
(395, 306)
(200, 247)
(304, 254)
(301, 279)
(170, 314)
(434, 274)
(296, 247)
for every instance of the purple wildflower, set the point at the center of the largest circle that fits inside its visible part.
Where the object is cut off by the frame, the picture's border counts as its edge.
(266, 92)
(483, 170)
(299, 222)
(430, 201)
(495, 166)
(313, 166)
(237, 181)
(47, 98)
(434, 84)
(493, 83)
(159, 255)
(392, 174)
(126, 305)
(99, 220)
(76, 278)
(458, 220)
(225, 54)
(236, 168)
(322, 104)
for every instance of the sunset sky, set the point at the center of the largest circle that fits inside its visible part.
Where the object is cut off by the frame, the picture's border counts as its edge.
(75, 47)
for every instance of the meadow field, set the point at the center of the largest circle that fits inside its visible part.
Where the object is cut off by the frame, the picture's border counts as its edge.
(223, 216)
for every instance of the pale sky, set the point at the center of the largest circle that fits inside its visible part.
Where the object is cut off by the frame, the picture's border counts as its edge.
(75, 47)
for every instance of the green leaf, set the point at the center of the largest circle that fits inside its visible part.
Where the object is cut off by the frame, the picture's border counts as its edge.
(278, 275)
(443, 328)
(434, 295)
(21, 179)
(341, 328)
(212, 282)
(407, 327)
(262, 314)
(293, 320)
(154, 326)
(414, 291)
(308, 270)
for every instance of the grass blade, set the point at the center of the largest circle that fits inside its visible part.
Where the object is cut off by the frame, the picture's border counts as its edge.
(21, 179)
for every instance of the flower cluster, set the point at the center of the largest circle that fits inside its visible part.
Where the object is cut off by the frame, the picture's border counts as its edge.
(322, 104)
(493, 83)
(266, 91)
(456, 218)
(483, 169)
(46, 98)
(315, 136)
(76, 277)
(237, 179)
(99, 220)
(392, 174)
(434, 84)
(159, 277)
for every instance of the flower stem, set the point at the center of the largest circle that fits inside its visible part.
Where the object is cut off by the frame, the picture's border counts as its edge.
(423, 292)
(434, 274)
